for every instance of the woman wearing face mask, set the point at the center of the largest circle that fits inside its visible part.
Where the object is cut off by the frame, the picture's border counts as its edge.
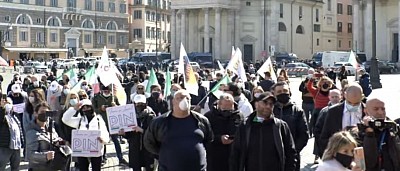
(86, 87)
(87, 119)
(321, 100)
(82, 95)
(65, 130)
(36, 96)
(26, 83)
(65, 91)
(156, 101)
(339, 154)
(257, 91)
(138, 155)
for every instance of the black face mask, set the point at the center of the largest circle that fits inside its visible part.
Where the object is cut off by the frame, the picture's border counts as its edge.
(88, 112)
(140, 108)
(42, 117)
(283, 98)
(325, 86)
(156, 94)
(344, 159)
(225, 113)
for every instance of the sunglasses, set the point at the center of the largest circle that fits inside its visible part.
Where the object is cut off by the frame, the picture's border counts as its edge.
(140, 88)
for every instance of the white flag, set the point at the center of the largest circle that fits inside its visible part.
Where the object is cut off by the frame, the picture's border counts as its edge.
(267, 66)
(232, 62)
(240, 72)
(182, 54)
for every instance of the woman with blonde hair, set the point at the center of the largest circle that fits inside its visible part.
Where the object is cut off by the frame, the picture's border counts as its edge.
(83, 94)
(339, 154)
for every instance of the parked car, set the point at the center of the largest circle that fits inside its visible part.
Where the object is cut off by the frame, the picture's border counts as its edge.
(349, 68)
(383, 66)
(35, 67)
(66, 63)
(296, 69)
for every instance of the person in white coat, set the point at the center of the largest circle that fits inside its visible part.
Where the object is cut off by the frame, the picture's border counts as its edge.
(339, 154)
(87, 119)
(243, 104)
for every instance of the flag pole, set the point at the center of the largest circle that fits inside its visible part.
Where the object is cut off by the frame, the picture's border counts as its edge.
(112, 92)
(204, 98)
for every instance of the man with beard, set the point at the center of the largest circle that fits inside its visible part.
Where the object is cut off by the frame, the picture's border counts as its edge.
(224, 120)
(263, 142)
(287, 110)
(138, 155)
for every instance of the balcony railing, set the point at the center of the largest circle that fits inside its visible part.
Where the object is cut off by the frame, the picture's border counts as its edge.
(72, 10)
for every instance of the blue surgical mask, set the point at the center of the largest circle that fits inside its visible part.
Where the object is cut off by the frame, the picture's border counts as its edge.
(352, 108)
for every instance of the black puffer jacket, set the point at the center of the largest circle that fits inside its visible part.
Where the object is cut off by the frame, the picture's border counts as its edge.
(296, 120)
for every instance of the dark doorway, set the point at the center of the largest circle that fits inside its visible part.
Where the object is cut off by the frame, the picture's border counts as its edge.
(395, 51)
(204, 45)
(23, 56)
(248, 53)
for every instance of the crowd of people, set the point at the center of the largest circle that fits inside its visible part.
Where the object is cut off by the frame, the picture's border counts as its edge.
(252, 125)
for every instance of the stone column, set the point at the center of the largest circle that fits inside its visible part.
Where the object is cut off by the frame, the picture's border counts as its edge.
(193, 32)
(217, 53)
(356, 25)
(206, 31)
(398, 31)
(173, 47)
(178, 32)
(368, 30)
(237, 28)
(183, 27)
(262, 24)
(230, 35)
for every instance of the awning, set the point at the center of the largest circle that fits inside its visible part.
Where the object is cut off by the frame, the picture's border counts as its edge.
(42, 50)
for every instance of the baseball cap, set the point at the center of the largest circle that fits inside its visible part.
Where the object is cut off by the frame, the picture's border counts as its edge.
(265, 96)
(16, 88)
(86, 102)
(139, 98)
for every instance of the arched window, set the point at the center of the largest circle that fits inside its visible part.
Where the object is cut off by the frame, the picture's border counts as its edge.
(111, 26)
(53, 22)
(88, 23)
(24, 19)
(300, 29)
(282, 26)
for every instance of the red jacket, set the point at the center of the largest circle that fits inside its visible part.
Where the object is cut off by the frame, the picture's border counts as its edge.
(320, 101)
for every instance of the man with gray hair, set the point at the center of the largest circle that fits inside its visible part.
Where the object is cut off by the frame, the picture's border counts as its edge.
(225, 120)
(179, 134)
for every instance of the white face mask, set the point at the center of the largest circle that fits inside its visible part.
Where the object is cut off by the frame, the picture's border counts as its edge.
(257, 95)
(84, 87)
(184, 105)
(106, 95)
(66, 91)
(73, 102)
(31, 99)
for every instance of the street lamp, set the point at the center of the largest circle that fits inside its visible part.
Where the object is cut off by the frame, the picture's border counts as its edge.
(2, 38)
(374, 70)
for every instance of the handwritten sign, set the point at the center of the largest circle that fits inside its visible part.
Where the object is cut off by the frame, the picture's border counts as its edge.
(85, 143)
(121, 117)
(19, 108)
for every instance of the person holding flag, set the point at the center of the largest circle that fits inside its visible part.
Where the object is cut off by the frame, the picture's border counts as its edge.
(156, 100)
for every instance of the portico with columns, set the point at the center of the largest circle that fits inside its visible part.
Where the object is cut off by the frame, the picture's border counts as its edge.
(387, 28)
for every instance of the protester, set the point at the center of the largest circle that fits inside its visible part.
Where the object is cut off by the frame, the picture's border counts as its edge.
(211, 96)
(257, 91)
(53, 96)
(224, 121)
(174, 88)
(307, 99)
(38, 139)
(87, 119)
(65, 131)
(339, 153)
(138, 155)
(243, 104)
(198, 102)
(286, 110)
(11, 140)
(35, 97)
(267, 83)
(16, 79)
(100, 103)
(344, 115)
(263, 142)
(179, 134)
(365, 83)
(156, 101)
(35, 83)
(342, 75)
(140, 89)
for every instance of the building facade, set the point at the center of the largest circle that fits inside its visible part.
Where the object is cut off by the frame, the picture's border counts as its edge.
(150, 25)
(344, 25)
(257, 27)
(36, 29)
(387, 28)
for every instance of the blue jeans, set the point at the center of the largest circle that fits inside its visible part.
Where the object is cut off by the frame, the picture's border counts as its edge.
(308, 110)
(9, 155)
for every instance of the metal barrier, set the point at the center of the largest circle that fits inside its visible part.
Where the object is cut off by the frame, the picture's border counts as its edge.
(296, 72)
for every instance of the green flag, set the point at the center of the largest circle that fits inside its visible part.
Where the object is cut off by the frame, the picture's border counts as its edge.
(90, 73)
(167, 87)
(152, 80)
(215, 90)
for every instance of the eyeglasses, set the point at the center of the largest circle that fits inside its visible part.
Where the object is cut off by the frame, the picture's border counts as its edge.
(140, 88)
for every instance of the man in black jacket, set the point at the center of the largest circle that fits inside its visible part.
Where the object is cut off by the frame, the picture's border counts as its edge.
(286, 110)
(263, 142)
(196, 101)
(224, 120)
(381, 144)
(267, 83)
(211, 97)
(178, 137)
